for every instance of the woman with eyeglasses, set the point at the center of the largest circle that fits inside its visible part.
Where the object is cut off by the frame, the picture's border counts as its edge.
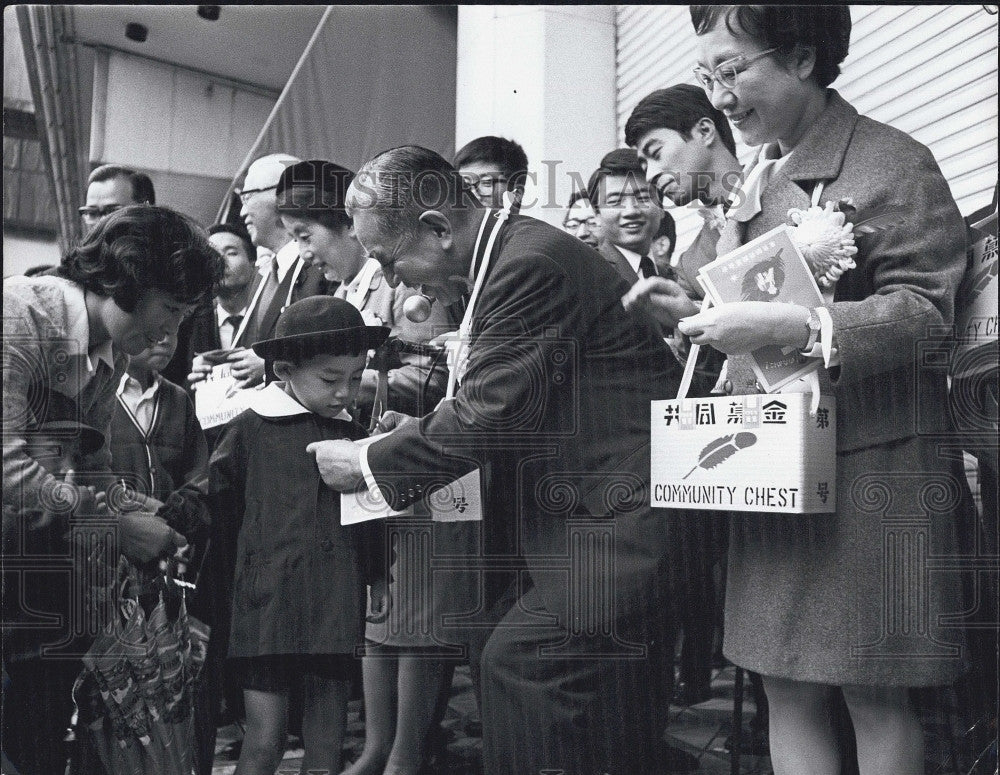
(824, 603)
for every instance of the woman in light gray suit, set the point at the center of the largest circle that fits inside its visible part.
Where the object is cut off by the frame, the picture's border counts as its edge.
(820, 603)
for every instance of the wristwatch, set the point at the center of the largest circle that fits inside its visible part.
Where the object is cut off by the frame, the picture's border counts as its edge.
(813, 327)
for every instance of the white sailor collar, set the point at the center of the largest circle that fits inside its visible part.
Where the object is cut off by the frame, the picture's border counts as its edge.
(273, 401)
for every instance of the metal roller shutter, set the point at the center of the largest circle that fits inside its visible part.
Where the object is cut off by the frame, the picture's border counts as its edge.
(930, 71)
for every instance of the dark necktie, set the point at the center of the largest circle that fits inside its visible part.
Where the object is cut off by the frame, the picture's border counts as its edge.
(648, 269)
(234, 321)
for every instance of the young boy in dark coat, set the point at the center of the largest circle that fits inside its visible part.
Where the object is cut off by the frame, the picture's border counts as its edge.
(299, 589)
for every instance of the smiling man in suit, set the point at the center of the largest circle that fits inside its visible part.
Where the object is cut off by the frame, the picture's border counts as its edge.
(554, 395)
(628, 214)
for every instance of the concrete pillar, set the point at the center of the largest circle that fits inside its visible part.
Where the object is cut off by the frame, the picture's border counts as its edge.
(543, 76)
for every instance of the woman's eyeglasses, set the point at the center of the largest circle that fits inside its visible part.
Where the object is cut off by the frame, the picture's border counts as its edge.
(726, 73)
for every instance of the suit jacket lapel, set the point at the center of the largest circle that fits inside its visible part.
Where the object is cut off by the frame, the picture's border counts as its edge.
(819, 155)
(782, 195)
(213, 333)
(617, 259)
(731, 238)
(277, 303)
(250, 333)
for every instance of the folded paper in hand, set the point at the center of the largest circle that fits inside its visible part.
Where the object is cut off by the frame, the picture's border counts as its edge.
(457, 501)
(217, 399)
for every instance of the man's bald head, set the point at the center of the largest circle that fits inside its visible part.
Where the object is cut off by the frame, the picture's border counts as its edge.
(266, 171)
(259, 197)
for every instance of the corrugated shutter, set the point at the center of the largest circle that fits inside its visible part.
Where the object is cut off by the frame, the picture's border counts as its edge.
(655, 48)
(930, 71)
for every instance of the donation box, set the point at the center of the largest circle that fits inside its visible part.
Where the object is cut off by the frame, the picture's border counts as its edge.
(760, 453)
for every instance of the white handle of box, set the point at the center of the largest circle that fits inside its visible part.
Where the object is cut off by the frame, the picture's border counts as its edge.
(692, 358)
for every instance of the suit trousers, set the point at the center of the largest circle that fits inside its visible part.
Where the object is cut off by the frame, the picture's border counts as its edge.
(553, 702)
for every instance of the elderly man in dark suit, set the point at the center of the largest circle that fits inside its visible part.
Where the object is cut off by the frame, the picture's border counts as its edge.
(554, 391)
(286, 278)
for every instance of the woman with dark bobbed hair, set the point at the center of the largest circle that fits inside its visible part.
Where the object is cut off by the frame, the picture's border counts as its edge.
(825, 603)
(143, 254)
(66, 342)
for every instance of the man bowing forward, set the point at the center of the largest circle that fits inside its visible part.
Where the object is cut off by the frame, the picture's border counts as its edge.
(550, 395)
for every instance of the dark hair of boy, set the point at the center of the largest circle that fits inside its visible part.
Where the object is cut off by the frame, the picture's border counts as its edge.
(506, 154)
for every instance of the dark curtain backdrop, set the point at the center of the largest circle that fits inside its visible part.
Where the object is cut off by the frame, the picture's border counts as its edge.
(375, 77)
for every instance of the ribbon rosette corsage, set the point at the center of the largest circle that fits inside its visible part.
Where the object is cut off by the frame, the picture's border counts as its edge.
(826, 239)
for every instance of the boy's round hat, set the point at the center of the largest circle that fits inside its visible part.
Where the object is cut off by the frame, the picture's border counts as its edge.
(90, 438)
(320, 325)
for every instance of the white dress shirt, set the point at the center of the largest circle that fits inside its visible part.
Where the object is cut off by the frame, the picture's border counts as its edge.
(226, 328)
(141, 404)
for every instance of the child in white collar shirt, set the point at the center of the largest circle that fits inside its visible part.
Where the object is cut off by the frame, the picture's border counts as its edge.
(299, 586)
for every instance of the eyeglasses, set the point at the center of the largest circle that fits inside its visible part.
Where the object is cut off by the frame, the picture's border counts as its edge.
(388, 263)
(574, 224)
(245, 194)
(91, 213)
(725, 74)
(483, 184)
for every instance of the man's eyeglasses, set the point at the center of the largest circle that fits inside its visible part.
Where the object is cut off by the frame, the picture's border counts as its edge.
(726, 73)
(246, 193)
(573, 224)
(483, 184)
(91, 213)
